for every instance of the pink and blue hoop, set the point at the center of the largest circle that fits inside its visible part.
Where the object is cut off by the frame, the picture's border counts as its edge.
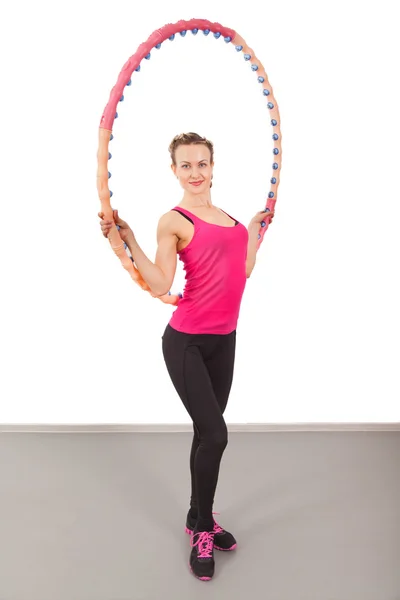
(168, 32)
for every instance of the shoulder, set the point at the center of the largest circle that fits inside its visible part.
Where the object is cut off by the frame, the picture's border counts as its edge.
(169, 223)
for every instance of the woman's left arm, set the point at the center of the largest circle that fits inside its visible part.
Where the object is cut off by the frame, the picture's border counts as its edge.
(253, 229)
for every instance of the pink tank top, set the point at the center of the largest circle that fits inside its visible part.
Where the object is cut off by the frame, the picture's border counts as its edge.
(215, 266)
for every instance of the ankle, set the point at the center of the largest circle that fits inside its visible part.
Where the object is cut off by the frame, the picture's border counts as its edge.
(204, 524)
(193, 512)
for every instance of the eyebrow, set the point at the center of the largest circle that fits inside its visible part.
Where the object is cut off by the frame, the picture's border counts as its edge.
(200, 161)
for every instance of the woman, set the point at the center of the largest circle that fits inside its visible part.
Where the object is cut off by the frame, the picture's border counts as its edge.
(198, 344)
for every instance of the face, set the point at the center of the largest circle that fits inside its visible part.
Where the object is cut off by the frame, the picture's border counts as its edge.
(193, 168)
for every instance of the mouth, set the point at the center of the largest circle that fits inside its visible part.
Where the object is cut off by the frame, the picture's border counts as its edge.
(196, 183)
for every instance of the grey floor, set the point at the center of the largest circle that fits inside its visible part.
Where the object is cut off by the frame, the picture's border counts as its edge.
(101, 517)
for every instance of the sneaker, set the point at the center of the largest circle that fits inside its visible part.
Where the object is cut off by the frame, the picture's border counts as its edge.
(201, 560)
(223, 540)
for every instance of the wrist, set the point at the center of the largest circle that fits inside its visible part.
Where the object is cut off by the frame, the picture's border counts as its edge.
(253, 229)
(130, 238)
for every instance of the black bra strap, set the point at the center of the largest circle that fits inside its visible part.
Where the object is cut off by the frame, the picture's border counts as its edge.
(183, 215)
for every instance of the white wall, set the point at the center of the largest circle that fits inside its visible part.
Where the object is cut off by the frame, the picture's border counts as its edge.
(318, 338)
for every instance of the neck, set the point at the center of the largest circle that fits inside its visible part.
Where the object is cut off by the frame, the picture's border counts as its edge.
(198, 200)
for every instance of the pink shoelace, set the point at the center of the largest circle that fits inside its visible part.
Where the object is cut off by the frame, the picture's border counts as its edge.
(217, 528)
(205, 542)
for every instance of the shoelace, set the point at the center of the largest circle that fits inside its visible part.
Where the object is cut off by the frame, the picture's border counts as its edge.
(205, 542)
(217, 528)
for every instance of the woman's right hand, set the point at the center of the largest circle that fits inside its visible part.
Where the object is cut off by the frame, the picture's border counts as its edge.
(124, 230)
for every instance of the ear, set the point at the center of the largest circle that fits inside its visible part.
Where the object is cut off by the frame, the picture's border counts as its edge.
(173, 168)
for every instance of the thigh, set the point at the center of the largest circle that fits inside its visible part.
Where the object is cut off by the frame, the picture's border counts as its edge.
(191, 379)
(220, 367)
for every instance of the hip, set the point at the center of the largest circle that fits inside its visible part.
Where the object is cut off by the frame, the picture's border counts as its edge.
(175, 343)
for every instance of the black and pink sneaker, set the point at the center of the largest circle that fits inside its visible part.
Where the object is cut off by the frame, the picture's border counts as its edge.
(223, 540)
(201, 560)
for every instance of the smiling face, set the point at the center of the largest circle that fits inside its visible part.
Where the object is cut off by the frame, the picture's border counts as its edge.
(193, 167)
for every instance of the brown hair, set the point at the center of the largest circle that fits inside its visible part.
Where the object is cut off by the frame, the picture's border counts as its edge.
(186, 139)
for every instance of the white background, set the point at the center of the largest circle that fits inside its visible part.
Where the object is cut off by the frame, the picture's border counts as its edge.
(318, 337)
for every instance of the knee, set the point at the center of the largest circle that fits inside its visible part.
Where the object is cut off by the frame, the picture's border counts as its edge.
(217, 439)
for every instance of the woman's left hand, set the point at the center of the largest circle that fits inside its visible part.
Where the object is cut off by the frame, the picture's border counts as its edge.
(262, 215)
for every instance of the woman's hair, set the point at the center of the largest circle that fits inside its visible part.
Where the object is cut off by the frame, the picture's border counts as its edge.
(186, 139)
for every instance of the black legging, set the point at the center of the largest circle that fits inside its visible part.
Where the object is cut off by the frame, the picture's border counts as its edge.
(201, 369)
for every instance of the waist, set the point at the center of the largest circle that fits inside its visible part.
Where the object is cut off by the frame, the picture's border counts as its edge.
(207, 311)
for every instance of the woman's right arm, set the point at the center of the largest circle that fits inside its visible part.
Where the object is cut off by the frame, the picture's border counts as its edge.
(159, 275)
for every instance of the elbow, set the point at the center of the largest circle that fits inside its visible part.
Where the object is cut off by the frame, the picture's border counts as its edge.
(159, 294)
(162, 290)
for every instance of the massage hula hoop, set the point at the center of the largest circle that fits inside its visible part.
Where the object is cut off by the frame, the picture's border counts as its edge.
(168, 32)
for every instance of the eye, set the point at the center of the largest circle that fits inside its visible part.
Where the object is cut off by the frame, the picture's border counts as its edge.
(203, 165)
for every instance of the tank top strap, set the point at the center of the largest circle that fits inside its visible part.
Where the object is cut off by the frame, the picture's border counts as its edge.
(233, 219)
(190, 216)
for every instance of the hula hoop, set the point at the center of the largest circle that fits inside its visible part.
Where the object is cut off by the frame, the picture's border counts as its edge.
(155, 40)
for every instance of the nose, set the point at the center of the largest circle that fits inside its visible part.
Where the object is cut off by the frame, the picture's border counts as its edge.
(195, 173)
